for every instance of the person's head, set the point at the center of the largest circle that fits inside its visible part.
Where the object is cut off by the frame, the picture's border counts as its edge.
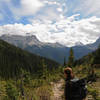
(68, 73)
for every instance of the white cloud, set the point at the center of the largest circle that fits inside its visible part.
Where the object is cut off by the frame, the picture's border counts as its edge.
(53, 11)
(51, 2)
(59, 9)
(49, 14)
(88, 7)
(39, 9)
(65, 31)
(25, 7)
(28, 7)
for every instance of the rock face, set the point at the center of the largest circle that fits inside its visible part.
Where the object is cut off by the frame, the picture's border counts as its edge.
(18, 40)
(53, 51)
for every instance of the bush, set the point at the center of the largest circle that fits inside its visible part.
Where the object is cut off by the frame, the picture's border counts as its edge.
(93, 92)
(12, 92)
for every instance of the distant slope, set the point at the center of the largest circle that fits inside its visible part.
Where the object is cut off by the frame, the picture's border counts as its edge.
(91, 58)
(54, 51)
(13, 59)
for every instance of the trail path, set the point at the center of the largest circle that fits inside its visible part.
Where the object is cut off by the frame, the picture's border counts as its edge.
(58, 90)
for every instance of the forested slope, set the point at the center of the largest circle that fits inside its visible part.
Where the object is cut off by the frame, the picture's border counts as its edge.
(92, 58)
(13, 59)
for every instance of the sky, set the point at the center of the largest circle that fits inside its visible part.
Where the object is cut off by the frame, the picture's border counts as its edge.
(67, 22)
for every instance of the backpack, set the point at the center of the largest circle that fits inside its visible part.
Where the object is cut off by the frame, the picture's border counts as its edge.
(78, 90)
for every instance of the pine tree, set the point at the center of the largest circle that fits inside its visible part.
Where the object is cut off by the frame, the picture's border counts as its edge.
(64, 61)
(44, 66)
(71, 58)
(43, 70)
(97, 56)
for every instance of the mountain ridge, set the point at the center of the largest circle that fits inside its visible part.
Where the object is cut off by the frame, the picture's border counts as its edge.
(53, 51)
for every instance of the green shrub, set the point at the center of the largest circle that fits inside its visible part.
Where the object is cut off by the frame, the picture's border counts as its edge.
(12, 92)
(93, 92)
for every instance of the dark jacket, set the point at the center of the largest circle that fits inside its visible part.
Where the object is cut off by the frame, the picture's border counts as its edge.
(69, 90)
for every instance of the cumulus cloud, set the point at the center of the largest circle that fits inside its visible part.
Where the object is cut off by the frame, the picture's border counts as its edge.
(51, 2)
(39, 9)
(28, 7)
(87, 7)
(49, 14)
(23, 8)
(65, 31)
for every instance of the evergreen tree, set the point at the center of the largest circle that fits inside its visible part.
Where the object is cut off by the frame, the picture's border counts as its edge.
(64, 61)
(71, 58)
(44, 66)
(96, 59)
(43, 69)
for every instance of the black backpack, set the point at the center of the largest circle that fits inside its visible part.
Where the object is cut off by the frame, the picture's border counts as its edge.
(78, 90)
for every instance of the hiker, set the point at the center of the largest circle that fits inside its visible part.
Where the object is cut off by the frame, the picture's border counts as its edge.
(74, 88)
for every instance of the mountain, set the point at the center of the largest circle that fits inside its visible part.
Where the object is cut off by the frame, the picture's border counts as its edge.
(13, 59)
(95, 45)
(54, 51)
(93, 57)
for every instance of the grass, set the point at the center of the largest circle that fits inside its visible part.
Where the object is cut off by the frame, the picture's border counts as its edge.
(30, 87)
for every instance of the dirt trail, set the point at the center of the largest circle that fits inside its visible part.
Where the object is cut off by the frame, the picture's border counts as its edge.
(58, 91)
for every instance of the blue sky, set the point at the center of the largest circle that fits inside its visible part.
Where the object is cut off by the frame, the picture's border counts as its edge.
(11, 10)
(58, 20)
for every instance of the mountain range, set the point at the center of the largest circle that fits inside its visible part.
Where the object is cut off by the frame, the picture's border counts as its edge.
(54, 51)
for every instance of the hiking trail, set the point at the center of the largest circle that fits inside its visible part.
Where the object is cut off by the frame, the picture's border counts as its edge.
(58, 90)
